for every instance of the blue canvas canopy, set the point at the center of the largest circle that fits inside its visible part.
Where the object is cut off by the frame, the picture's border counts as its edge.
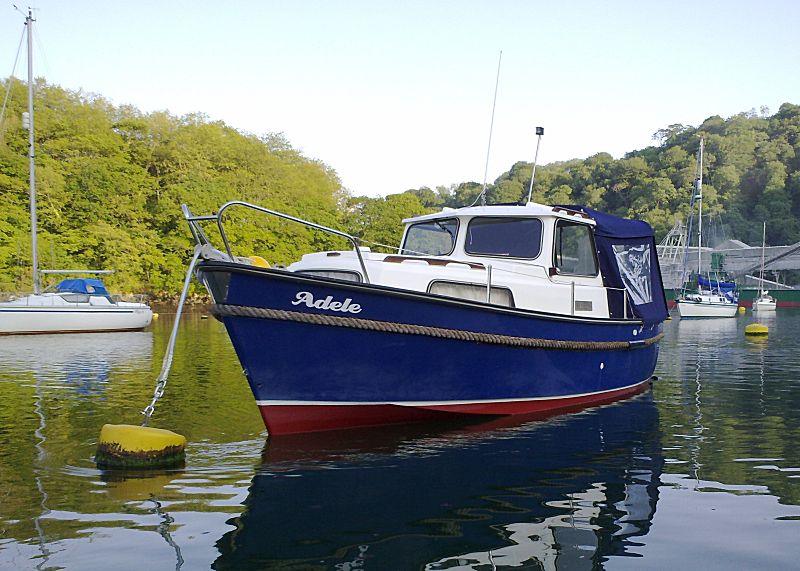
(728, 289)
(628, 259)
(716, 284)
(82, 285)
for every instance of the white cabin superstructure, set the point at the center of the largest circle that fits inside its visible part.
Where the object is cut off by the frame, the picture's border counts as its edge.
(531, 257)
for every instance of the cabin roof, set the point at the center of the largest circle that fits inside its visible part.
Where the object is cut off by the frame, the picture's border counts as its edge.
(514, 210)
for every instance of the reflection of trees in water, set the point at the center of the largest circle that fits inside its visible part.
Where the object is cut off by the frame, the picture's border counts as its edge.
(62, 375)
(730, 402)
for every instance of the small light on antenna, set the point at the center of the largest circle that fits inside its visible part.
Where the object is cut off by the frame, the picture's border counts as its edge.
(540, 130)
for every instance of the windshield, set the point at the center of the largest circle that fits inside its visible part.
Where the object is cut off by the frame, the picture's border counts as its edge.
(511, 237)
(432, 238)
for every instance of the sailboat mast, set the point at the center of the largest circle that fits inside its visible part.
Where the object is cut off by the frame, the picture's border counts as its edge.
(698, 189)
(31, 165)
(763, 243)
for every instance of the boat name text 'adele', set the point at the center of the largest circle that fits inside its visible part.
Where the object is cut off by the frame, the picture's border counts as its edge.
(345, 306)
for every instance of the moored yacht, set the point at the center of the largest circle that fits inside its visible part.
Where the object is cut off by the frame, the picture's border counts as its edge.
(75, 305)
(709, 294)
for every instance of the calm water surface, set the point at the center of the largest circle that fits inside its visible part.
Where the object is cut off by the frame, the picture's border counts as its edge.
(702, 472)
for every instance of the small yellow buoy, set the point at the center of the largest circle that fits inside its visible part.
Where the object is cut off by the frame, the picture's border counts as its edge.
(155, 316)
(128, 446)
(258, 261)
(756, 329)
(742, 309)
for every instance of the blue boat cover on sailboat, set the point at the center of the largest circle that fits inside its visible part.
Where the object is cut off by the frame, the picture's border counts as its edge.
(716, 284)
(82, 285)
(627, 255)
(728, 289)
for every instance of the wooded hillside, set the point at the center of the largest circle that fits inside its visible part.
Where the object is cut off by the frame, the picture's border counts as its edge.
(751, 174)
(110, 182)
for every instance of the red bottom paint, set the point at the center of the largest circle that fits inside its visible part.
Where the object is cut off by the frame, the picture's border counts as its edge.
(295, 419)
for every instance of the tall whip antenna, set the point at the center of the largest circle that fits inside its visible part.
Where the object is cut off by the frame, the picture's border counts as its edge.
(482, 195)
(539, 133)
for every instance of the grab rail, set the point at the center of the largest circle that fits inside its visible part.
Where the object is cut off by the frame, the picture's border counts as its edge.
(201, 238)
(627, 305)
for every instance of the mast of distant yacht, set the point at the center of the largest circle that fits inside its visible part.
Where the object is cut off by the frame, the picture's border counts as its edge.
(763, 244)
(31, 164)
(698, 189)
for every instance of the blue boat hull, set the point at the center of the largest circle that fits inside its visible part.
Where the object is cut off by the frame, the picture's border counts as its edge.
(324, 354)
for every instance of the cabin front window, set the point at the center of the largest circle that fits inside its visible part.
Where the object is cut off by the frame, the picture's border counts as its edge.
(432, 238)
(506, 237)
(574, 250)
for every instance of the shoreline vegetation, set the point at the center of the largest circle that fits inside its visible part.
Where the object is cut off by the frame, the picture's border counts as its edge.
(110, 182)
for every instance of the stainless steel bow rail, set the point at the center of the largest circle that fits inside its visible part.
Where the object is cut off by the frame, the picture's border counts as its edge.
(201, 238)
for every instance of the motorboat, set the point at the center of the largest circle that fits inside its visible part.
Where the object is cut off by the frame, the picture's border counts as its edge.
(485, 310)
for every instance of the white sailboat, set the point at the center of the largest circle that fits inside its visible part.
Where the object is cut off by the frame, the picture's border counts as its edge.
(74, 305)
(712, 296)
(764, 301)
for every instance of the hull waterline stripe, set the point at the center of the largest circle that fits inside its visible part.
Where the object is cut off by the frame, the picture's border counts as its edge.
(226, 310)
(442, 403)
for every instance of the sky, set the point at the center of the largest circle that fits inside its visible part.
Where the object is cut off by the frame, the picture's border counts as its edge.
(396, 94)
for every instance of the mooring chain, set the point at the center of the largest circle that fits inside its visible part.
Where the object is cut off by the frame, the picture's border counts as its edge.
(223, 310)
(161, 383)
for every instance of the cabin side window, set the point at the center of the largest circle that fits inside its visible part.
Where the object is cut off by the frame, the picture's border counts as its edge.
(432, 238)
(506, 237)
(574, 250)
(473, 292)
(334, 274)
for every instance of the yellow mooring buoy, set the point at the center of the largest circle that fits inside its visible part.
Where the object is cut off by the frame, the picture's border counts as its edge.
(756, 329)
(742, 309)
(129, 446)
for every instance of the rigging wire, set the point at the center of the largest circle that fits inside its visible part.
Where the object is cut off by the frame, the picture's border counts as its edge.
(7, 98)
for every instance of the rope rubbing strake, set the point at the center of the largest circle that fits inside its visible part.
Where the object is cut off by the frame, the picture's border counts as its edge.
(224, 310)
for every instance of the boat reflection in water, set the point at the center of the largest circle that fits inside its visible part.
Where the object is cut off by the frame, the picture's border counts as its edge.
(564, 493)
(81, 361)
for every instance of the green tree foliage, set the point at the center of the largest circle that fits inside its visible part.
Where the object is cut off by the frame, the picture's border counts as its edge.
(750, 171)
(111, 180)
(377, 220)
